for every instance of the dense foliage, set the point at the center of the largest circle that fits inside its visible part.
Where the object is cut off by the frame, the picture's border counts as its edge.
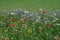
(25, 25)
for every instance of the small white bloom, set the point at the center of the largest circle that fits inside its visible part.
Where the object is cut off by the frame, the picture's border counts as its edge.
(36, 20)
(54, 37)
(2, 36)
(26, 25)
(54, 14)
(36, 38)
(40, 9)
(58, 9)
(57, 19)
(58, 24)
(54, 20)
(12, 13)
(38, 17)
(26, 11)
(31, 18)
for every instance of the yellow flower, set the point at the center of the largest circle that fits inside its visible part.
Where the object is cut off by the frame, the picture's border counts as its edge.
(16, 30)
(29, 30)
(2, 36)
(11, 38)
(46, 34)
(6, 30)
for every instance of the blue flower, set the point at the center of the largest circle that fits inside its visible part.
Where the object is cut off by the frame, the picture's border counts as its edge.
(21, 11)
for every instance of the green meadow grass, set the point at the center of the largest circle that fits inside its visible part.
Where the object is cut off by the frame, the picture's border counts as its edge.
(29, 4)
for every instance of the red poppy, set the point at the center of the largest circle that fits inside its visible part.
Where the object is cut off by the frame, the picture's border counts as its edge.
(43, 11)
(26, 19)
(49, 25)
(20, 21)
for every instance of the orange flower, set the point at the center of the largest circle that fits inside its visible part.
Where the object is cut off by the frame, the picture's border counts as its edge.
(13, 24)
(9, 25)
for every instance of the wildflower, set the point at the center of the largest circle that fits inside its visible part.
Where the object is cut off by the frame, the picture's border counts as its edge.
(6, 30)
(6, 38)
(49, 25)
(29, 30)
(9, 20)
(12, 13)
(57, 37)
(40, 28)
(43, 11)
(13, 24)
(26, 19)
(9, 25)
(20, 21)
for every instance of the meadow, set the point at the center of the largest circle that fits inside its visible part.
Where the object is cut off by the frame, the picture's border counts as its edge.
(21, 24)
(29, 4)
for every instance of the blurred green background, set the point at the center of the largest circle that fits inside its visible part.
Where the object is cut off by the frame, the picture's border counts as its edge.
(29, 4)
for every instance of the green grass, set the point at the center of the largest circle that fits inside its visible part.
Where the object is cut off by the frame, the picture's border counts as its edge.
(29, 4)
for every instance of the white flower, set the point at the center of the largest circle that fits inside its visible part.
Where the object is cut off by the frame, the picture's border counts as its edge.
(26, 11)
(54, 37)
(54, 20)
(39, 27)
(12, 13)
(2, 36)
(37, 20)
(58, 9)
(58, 24)
(54, 14)
(57, 19)
(38, 17)
(40, 9)
(25, 25)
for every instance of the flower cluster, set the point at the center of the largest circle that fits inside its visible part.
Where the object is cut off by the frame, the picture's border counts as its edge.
(25, 25)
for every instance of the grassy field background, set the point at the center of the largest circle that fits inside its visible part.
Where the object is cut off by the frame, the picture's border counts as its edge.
(29, 4)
